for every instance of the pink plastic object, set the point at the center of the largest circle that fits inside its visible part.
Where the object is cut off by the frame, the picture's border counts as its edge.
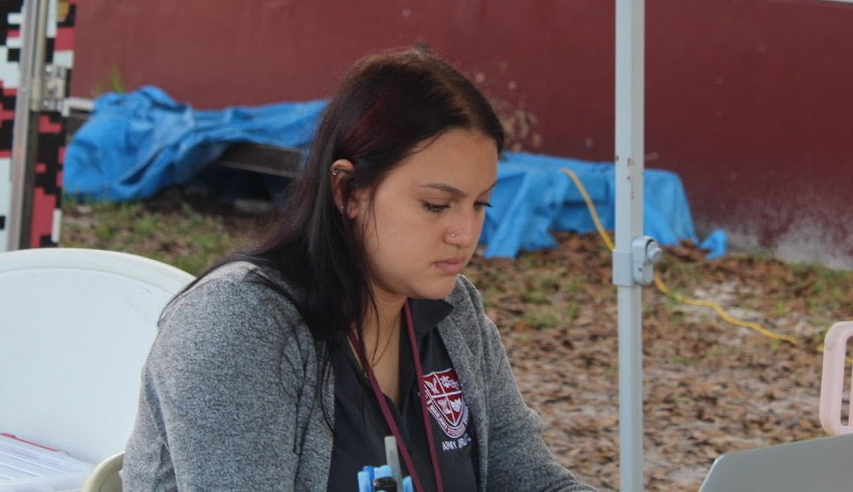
(832, 378)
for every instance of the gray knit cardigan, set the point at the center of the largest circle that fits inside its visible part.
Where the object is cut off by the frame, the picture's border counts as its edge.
(228, 399)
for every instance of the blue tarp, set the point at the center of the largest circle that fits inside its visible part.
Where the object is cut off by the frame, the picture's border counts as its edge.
(135, 144)
(533, 197)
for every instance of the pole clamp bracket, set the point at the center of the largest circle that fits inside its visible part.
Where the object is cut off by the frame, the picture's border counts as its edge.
(636, 266)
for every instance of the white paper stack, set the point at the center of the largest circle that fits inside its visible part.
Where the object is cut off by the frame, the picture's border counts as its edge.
(28, 467)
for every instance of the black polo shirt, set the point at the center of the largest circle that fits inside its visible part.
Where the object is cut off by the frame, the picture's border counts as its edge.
(360, 427)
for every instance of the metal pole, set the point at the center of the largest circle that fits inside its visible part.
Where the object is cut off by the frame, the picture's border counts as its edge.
(25, 128)
(630, 34)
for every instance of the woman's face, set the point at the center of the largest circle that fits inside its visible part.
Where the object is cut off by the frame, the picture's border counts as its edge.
(427, 215)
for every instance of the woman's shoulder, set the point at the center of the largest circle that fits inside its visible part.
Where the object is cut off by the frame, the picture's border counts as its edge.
(250, 275)
(243, 280)
(236, 300)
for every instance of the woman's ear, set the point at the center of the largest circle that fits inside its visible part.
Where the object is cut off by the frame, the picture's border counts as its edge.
(340, 171)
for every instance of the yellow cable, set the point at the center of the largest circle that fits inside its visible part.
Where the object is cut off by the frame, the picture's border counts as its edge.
(591, 207)
(723, 314)
(663, 288)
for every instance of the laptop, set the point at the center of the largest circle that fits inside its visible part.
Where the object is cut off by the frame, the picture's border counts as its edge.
(815, 465)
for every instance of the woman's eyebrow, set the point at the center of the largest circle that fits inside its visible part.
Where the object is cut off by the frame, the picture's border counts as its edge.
(452, 189)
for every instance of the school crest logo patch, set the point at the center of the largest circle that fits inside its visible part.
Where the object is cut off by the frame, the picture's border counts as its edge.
(445, 402)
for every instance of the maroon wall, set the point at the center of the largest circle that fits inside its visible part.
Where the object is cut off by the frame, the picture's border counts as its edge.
(748, 100)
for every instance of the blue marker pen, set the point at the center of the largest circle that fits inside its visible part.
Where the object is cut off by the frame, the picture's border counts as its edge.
(365, 484)
(370, 472)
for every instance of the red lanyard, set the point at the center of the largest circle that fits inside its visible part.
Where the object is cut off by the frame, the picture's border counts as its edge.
(386, 411)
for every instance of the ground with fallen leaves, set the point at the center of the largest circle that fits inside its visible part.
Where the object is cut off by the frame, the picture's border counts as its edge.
(710, 387)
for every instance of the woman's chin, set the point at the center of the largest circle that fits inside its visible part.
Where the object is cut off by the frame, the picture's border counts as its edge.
(439, 290)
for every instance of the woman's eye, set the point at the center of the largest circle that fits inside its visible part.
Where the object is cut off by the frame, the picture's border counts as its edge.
(435, 207)
(481, 205)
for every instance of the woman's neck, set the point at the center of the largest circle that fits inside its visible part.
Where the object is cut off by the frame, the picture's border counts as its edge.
(383, 316)
(381, 341)
(381, 322)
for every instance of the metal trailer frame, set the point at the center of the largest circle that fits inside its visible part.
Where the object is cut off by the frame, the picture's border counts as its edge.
(41, 90)
(24, 141)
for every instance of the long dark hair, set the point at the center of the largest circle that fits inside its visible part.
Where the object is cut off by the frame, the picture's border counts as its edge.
(387, 104)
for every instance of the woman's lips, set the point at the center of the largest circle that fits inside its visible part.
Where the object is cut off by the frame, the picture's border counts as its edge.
(452, 266)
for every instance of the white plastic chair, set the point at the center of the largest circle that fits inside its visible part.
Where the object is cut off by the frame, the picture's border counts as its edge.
(75, 328)
(832, 379)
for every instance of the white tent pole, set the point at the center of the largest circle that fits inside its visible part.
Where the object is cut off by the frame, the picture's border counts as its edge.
(630, 34)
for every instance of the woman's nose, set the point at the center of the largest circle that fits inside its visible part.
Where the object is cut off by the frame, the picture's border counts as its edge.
(465, 232)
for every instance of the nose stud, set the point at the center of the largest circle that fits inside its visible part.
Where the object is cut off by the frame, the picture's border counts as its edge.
(452, 235)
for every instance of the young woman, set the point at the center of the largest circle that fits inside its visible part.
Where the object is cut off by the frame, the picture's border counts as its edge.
(284, 369)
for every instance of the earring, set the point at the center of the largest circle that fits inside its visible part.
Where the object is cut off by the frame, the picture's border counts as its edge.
(335, 172)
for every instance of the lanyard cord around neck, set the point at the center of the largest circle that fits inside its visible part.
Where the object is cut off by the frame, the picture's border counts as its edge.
(386, 411)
